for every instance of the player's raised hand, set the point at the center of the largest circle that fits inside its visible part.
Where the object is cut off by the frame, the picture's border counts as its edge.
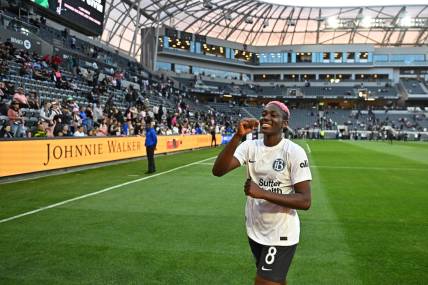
(246, 126)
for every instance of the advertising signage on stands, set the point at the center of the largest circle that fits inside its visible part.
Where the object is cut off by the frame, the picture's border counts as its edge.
(33, 155)
(85, 16)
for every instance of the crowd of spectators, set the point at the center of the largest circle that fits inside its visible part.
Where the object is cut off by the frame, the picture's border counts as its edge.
(94, 116)
(113, 108)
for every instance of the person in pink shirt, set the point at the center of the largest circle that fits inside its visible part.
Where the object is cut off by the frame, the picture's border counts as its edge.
(16, 120)
(174, 120)
(20, 97)
(103, 129)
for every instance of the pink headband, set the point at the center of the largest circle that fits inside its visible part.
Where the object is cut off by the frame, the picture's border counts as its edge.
(281, 105)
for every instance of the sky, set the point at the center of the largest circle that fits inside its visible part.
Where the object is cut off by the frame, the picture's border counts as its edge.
(346, 3)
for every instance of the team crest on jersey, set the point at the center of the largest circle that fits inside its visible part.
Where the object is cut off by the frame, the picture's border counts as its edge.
(278, 164)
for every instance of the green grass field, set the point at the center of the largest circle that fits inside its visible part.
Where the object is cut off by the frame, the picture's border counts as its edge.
(368, 223)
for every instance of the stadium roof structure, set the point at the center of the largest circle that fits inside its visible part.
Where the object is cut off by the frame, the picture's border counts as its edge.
(265, 24)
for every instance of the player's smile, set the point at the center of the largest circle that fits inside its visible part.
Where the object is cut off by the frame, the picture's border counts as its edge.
(271, 121)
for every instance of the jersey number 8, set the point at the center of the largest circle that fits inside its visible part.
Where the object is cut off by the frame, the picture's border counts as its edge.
(270, 257)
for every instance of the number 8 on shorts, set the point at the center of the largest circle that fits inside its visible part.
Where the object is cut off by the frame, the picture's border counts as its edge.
(270, 257)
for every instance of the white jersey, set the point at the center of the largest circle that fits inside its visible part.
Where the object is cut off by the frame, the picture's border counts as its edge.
(275, 169)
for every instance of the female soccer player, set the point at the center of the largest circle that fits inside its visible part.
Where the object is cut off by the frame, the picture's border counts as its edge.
(277, 185)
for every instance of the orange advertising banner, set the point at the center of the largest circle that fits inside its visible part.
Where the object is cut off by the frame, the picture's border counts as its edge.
(26, 156)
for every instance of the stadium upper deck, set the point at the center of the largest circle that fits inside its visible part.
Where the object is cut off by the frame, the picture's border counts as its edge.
(258, 23)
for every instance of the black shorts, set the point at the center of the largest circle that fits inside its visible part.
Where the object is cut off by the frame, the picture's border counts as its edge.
(272, 262)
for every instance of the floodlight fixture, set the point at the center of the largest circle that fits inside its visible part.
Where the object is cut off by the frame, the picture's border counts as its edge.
(366, 22)
(406, 21)
(333, 22)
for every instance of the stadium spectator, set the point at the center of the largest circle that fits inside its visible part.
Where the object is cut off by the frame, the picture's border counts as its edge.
(4, 106)
(89, 117)
(83, 117)
(26, 69)
(150, 143)
(7, 88)
(80, 132)
(213, 136)
(40, 131)
(103, 128)
(277, 184)
(39, 72)
(6, 132)
(33, 100)
(3, 68)
(56, 61)
(65, 131)
(16, 120)
(20, 97)
(73, 42)
(46, 113)
(77, 120)
(115, 128)
(2, 94)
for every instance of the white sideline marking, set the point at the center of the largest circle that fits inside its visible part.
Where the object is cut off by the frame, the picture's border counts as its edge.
(206, 163)
(309, 149)
(99, 192)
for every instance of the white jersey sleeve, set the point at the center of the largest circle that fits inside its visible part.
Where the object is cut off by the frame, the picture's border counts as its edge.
(299, 165)
(242, 151)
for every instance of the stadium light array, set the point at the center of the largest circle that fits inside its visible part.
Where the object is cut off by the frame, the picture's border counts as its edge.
(366, 22)
(333, 22)
(406, 21)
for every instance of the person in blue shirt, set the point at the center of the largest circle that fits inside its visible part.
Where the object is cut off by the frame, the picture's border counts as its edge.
(151, 142)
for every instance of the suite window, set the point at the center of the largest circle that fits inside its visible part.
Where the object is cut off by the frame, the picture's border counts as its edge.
(213, 50)
(350, 57)
(179, 68)
(291, 77)
(304, 57)
(243, 55)
(380, 57)
(326, 77)
(343, 76)
(338, 57)
(364, 56)
(178, 44)
(307, 77)
(362, 76)
(266, 77)
(163, 66)
(325, 57)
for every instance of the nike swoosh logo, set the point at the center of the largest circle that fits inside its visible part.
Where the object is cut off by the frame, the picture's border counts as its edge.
(251, 161)
(266, 269)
